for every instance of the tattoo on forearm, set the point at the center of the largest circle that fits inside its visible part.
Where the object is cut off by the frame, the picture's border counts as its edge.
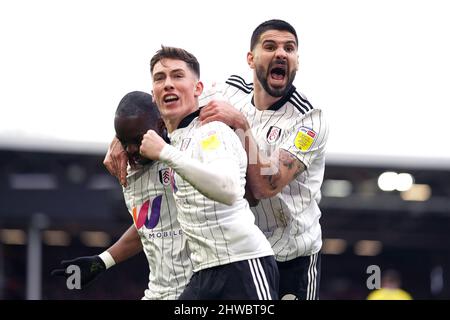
(288, 161)
(291, 162)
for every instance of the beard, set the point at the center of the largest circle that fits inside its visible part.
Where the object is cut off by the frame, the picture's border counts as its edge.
(262, 76)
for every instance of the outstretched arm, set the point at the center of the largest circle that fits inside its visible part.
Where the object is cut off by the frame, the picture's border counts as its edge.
(127, 246)
(92, 266)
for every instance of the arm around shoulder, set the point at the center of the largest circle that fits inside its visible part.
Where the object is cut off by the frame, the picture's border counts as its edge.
(217, 180)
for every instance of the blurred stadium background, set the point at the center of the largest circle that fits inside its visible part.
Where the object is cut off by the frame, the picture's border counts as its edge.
(60, 205)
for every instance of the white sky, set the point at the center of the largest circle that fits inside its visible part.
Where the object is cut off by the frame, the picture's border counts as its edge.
(380, 69)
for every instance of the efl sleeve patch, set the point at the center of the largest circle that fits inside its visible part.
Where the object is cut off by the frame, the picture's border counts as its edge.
(210, 143)
(304, 139)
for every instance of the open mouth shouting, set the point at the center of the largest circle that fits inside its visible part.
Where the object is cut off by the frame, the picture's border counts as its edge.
(170, 98)
(278, 73)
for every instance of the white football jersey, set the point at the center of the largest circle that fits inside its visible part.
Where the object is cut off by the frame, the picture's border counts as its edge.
(150, 202)
(290, 219)
(217, 233)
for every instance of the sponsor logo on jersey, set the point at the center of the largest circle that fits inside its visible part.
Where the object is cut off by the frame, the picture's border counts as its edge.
(273, 134)
(172, 180)
(211, 142)
(185, 144)
(304, 139)
(149, 213)
(164, 234)
(164, 176)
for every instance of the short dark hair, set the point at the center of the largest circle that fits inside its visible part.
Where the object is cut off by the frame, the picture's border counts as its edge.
(178, 54)
(137, 103)
(274, 24)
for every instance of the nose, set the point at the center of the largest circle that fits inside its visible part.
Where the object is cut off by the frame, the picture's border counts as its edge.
(280, 53)
(168, 84)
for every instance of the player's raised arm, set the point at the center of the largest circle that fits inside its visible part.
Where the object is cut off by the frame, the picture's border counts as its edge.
(268, 176)
(217, 179)
(265, 177)
(116, 161)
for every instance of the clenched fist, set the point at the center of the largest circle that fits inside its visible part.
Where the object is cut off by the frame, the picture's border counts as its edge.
(151, 145)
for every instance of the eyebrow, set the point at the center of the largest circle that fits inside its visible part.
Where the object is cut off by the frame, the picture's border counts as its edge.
(171, 71)
(270, 41)
(177, 70)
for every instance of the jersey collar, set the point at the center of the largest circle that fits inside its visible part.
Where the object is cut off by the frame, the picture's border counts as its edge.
(277, 105)
(188, 119)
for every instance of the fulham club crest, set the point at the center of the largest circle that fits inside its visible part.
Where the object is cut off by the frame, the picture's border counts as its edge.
(273, 134)
(164, 176)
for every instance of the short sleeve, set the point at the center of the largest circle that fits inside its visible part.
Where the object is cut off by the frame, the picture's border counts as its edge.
(308, 137)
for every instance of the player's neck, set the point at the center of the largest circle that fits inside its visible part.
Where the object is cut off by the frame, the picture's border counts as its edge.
(261, 98)
(173, 122)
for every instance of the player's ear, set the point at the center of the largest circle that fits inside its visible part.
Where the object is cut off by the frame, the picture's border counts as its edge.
(198, 89)
(250, 60)
(153, 97)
